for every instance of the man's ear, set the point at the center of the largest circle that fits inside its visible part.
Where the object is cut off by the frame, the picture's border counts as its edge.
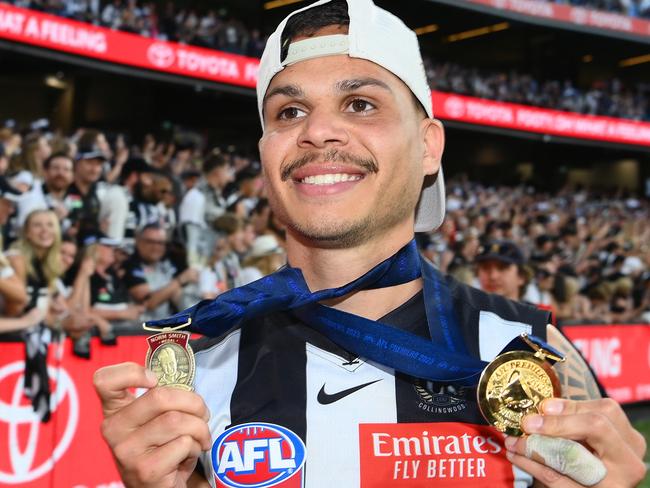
(433, 135)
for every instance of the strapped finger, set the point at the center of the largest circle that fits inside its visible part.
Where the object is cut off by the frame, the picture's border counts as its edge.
(547, 476)
(592, 428)
(565, 456)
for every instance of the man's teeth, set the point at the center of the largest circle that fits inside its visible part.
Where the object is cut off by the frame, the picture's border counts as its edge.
(329, 179)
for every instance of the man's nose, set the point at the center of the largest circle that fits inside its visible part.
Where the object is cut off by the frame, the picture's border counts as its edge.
(323, 127)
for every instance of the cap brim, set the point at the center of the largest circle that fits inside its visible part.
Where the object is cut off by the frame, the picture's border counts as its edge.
(92, 155)
(430, 211)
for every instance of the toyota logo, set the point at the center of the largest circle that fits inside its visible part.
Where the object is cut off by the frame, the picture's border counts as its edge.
(455, 107)
(21, 418)
(161, 55)
(579, 15)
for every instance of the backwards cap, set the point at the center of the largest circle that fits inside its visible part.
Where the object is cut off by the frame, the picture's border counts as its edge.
(378, 36)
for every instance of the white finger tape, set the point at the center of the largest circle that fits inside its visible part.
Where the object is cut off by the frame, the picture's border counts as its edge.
(568, 457)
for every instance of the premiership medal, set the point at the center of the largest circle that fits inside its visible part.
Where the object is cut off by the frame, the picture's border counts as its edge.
(171, 358)
(514, 384)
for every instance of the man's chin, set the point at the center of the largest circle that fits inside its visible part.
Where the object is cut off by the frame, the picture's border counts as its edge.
(332, 235)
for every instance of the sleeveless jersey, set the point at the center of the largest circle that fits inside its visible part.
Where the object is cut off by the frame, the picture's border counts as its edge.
(350, 422)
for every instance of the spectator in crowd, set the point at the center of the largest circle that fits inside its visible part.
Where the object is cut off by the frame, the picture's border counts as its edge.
(163, 194)
(213, 277)
(131, 205)
(232, 227)
(58, 171)
(500, 269)
(36, 259)
(248, 186)
(108, 295)
(203, 204)
(539, 290)
(83, 195)
(34, 151)
(568, 303)
(152, 279)
(4, 159)
(13, 292)
(265, 257)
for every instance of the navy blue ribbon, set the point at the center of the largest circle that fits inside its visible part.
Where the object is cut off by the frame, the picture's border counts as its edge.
(443, 358)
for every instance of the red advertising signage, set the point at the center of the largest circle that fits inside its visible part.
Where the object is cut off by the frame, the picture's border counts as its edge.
(49, 31)
(540, 120)
(34, 28)
(597, 19)
(619, 355)
(69, 452)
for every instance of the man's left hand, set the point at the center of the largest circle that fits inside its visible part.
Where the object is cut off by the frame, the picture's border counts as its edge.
(600, 425)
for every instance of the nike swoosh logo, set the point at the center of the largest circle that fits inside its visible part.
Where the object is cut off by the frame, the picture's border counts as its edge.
(325, 399)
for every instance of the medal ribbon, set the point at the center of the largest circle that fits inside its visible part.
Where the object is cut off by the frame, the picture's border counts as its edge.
(444, 358)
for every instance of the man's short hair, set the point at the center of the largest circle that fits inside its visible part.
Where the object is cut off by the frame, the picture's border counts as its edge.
(52, 157)
(212, 162)
(153, 226)
(228, 223)
(307, 23)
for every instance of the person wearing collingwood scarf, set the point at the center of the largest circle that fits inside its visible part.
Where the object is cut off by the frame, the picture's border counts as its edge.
(351, 158)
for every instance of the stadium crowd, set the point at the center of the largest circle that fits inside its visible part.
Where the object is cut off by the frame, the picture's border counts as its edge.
(633, 8)
(113, 234)
(98, 237)
(216, 29)
(610, 98)
(213, 28)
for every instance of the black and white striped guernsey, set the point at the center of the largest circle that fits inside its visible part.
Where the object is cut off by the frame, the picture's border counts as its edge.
(363, 424)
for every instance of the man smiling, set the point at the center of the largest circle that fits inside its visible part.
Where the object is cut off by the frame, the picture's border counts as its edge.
(365, 382)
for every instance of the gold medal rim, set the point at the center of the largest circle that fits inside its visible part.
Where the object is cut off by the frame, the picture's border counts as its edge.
(189, 384)
(482, 401)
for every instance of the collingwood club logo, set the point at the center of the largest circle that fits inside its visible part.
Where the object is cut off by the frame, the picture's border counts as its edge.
(440, 398)
(24, 427)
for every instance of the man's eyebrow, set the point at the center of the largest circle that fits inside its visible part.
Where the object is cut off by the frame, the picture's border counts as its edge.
(292, 91)
(356, 83)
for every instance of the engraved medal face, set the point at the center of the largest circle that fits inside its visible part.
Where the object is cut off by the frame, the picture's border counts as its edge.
(171, 358)
(512, 386)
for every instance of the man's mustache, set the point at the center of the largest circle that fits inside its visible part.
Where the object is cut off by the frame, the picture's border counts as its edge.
(333, 155)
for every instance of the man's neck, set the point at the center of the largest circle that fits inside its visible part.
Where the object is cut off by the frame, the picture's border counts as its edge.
(82, 186)
(58, 195)
(329, 268)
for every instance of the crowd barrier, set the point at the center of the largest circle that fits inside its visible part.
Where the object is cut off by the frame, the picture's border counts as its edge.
(68, 451)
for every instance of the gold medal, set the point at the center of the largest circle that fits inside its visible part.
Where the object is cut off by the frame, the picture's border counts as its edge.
(171, 358)
(514, 384)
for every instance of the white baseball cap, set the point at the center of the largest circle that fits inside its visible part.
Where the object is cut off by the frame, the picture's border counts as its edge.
(378, 36)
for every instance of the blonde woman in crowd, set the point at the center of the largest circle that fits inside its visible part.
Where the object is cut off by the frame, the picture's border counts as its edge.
(36, 258)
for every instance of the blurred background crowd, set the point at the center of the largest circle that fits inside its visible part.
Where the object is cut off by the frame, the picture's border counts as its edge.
(635, 8)
(99, 235)
(212, 28)
(217, 29)
(610, 97)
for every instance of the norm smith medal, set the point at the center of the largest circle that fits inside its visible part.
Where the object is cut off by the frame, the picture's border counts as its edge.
(171, 358)
(514, 384)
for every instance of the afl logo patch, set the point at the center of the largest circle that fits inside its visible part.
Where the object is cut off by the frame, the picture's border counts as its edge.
(258, 455)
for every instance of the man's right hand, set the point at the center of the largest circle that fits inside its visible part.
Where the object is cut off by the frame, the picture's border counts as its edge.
(157, 438)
